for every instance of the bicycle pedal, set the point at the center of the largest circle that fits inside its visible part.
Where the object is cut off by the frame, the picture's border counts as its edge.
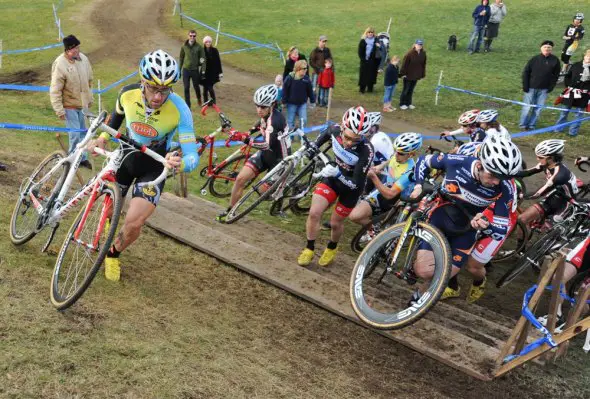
(49, 239)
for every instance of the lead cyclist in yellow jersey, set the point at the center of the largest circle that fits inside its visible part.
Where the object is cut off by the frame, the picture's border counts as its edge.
(152, 114)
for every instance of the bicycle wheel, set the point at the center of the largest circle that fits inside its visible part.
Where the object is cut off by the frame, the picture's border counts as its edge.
(221, 182)
(381, 299)
(514, 244)
(533, 257)
(23, 224)
(379, 223)
(576, 283)
(295, 186)
(259, 192)
(85, 247)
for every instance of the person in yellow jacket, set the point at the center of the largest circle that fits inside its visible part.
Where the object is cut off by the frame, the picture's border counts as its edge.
(70, 90)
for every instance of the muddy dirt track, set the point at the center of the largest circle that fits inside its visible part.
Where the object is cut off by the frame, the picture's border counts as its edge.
(398, 371)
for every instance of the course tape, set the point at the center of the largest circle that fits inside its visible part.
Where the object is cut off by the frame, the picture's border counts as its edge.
(18, 126)
(46, 88)
(117, 83)
(240, 50)
(505, 100)
(238, 38)
(29, 50)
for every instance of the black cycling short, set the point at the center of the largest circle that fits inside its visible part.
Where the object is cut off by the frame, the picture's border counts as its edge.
(346, 197)
(140, 169)
(263, 160)
(554, 204)
(380, 204)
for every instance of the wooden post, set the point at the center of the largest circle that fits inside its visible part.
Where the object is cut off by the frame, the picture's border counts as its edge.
(554, 301)
(175, 6)
(438, 88)
(183, 184)
(180, 12)
(65, 149)
(0, 53)
(329, 104)
(99, 98)
(573, 317)
(59, 29)
(217, 33)
(281, 54)
(389, 26)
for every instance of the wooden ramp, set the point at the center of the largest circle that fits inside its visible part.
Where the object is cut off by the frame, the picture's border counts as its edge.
(465, 337)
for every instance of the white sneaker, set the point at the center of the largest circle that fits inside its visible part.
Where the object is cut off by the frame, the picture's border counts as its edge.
(403, 107)
(368, 236)
(412, 107)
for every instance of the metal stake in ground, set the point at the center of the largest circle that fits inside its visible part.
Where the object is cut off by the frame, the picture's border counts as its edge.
(438, 87)
(329, 104)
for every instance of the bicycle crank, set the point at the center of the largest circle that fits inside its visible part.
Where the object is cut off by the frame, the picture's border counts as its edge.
(50, 238)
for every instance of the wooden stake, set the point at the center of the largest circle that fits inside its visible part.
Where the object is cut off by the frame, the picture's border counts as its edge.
(573, 317)
(329, 104)
(180, 12)
(389, 26)
(217, 33)
(553, 303)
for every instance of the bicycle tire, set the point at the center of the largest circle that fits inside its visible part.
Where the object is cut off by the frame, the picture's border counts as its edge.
(409, 314)
(576, 282)
(221, 187)
(521, 231)
(18, 236)
(281, 173)
(356, 245)
(534, 253)
(293, 188)
(62, 299)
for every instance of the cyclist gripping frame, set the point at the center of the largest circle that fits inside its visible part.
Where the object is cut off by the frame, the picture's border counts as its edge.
(153, 115)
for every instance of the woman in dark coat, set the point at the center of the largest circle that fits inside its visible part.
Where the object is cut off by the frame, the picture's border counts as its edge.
(213, 71)
(370, 56)
(292, 57)
(576, 93)
(413, 69)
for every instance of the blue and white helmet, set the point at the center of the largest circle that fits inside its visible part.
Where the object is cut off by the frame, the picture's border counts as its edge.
(470, 149)
(408, 142)
(374, 118)
(159, 68)
(487, 116)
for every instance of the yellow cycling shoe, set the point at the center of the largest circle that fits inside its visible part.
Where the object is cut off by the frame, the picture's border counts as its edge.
(305, 257)
(112, 269)
(476, 292)
(450, 293)
(328, 256)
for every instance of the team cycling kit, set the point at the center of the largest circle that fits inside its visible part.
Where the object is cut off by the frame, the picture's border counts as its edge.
(275, 143)
(461, 186)
(154, 128)
(353, 164)
(400, 176)
(580, 255)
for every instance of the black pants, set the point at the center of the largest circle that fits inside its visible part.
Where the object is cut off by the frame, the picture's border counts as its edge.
(208, 90)
(187, 75)
(406, 97)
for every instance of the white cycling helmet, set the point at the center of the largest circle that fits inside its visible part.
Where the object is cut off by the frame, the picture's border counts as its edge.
(159, 68)
(468, 117)
(408, 142)
(579, 15)
(500, 156)
(357, 120)
(470, 149)
(501, 132)
(374, 118)
(550, 147)
(487, 116)
(266, 95)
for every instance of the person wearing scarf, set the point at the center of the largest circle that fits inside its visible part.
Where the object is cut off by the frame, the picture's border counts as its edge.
(576, 94)
(293, 56)
(369, 56)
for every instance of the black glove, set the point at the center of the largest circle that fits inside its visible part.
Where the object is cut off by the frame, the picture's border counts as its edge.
(312, 150)
(246, 139)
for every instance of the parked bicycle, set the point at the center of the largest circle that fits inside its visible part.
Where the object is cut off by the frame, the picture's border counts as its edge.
(42, 203)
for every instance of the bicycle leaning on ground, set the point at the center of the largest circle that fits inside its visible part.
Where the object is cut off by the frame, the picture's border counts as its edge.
(42, 202)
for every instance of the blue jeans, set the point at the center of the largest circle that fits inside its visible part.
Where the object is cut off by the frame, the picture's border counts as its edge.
(296, 110)
(314, 80)
(573, 127)
(477, 34)
(323, 96)
(388, 93)
(75, 120)
(536, 97)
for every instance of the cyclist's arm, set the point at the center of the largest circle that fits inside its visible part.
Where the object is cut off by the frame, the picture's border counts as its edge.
(454, 132)
(426, 163)
(498, 227)
(117, 118)
(187, 139)
(388, 192)
(326, 135)
(359, 175)
(529, 172)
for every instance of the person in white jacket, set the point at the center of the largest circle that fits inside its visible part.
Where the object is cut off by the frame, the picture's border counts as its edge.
(497, 14)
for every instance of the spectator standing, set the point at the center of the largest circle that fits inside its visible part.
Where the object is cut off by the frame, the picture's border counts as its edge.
(539, 78)
(369, 55)
(326, 81)
(574, 32)
(497, 14)
(192, 63)
(213, 71)
(481, 16)
(292, 57)
(69, 92)
(413, 69)
(390, 82)
(279, 85)
(316, 60)
(296, 91)
(576, 93)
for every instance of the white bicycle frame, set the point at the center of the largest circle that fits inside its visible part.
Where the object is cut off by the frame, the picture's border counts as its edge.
(115, 159)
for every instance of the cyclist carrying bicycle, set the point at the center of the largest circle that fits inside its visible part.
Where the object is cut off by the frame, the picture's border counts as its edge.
(487, 120)
(399, 181)
(344, 181)
(152, 114)
(274, 146)
(475, 184)
(561, 185)
(469, 126)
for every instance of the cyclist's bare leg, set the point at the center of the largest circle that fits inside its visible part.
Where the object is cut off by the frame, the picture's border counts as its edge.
(424, 268)
(245, 175)
(337, 223)
(361, 214)
(139, 211)
(477, 269)
(531, 214)
(312, 226)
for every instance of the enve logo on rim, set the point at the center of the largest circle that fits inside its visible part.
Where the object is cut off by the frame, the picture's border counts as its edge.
(144, 129)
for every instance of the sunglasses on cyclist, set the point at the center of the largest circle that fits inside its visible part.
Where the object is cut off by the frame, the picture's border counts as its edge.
(164, 91)
(263, 107)
(350, 139)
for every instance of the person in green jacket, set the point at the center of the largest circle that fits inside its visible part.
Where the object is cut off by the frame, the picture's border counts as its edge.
(193, 64)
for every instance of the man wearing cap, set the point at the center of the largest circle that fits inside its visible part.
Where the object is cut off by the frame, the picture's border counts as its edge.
(70, 94)
(316, 60)
(539, 78)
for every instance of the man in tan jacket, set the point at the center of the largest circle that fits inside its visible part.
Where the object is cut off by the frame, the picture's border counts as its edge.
(70, 93)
